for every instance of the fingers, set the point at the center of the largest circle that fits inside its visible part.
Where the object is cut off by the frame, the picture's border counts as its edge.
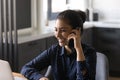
(74, 34)
(44, 78)
(76, 31)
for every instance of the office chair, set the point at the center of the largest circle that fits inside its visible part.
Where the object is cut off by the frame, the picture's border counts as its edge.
(102, 68)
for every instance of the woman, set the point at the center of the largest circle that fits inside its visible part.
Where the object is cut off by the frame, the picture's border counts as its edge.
(70, 59)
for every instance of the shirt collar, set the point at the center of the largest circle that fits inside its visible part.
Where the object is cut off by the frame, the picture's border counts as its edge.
(62, 51)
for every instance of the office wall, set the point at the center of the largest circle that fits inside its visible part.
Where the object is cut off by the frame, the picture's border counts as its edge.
(108, 9)
(23, 14)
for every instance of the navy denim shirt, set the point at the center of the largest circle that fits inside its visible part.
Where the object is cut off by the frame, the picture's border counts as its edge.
(64, 67)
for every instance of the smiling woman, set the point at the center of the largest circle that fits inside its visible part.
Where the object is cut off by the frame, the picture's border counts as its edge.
(76, 62)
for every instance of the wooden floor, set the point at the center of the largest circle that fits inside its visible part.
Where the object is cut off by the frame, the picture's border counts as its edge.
(114, 78)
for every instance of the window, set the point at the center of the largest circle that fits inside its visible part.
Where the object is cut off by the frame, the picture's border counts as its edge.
(56, 6)
(43, 12)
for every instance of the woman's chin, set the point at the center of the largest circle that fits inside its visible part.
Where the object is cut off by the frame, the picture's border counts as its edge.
(61, 44)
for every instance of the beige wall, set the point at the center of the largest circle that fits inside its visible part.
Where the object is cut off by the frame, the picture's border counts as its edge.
(108, 9)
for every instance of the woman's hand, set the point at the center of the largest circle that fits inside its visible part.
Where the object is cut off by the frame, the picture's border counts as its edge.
(76, 36)
(44, 78)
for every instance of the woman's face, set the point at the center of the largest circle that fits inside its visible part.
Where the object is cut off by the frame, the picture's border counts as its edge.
(62, 30)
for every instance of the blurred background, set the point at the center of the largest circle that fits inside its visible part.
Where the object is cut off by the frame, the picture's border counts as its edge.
(26, 29)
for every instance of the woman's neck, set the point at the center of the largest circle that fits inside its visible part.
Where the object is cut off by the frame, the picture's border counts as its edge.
(69, 51)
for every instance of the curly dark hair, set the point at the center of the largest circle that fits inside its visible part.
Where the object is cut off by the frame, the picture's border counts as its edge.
(75, 18)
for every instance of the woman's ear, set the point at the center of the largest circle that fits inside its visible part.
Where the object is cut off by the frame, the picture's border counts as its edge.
(77, 28)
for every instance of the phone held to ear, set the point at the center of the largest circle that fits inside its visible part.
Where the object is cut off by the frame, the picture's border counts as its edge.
(71, 45)
(71, 41)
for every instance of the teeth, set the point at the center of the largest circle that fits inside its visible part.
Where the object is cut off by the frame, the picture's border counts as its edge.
(60, 40)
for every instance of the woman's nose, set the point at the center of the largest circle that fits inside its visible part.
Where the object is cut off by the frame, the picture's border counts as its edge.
(58, 34)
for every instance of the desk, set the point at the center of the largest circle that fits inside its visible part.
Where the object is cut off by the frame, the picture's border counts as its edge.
(18, 75)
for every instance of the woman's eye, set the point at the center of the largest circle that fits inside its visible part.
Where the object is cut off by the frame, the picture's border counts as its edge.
(63, 30)
(55, 29)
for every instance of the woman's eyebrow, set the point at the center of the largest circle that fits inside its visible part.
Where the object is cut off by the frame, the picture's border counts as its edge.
(61, 27)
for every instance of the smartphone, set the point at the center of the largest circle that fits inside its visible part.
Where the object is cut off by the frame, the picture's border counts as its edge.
(71, 43)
